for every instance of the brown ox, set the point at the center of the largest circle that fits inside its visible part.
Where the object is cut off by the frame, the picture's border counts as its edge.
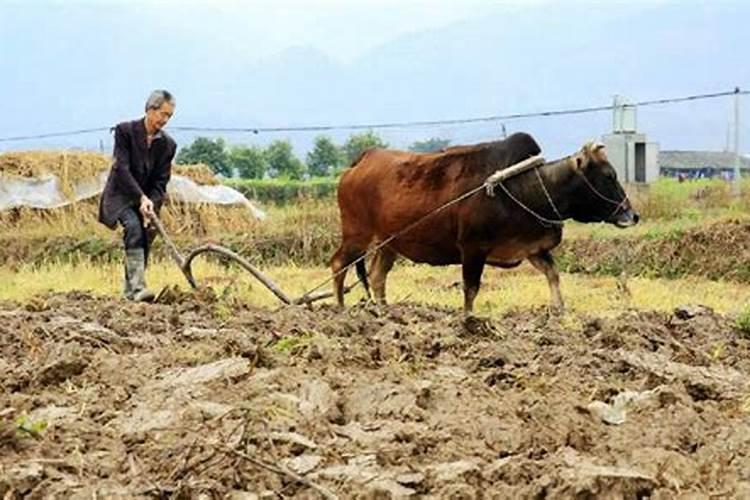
(385, 190)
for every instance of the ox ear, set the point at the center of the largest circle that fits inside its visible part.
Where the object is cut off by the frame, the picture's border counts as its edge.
(591, 153)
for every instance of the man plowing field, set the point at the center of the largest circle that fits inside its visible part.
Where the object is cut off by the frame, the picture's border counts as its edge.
(137, 184)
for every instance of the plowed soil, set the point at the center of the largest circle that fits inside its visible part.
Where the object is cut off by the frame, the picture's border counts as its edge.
(197, 397)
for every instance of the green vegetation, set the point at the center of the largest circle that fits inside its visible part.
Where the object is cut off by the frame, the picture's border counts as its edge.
(293, 344)
(277, 160)
(282, 162)
(430, 145)
(325, 158)
(743, 322)
(358, 143)
(210, 152)
(26, 427)
(249, 162)
(284, 191)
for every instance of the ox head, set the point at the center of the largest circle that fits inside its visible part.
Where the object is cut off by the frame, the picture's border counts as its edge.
(599, 197)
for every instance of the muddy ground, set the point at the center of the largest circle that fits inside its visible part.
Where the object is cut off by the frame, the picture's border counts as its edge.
(202, 398)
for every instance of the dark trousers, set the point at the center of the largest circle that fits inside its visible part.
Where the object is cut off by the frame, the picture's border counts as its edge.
(135, 236)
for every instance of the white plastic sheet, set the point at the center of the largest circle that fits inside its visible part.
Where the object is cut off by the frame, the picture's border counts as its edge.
(184, 189)
(46, 193)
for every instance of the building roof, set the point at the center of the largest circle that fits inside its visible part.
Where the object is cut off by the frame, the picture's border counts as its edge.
(700, 159)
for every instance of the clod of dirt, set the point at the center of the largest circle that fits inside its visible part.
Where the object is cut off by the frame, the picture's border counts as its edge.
(481, 327)
(298, 443)
(707, 382)
(691, 311)
(242, 495)
(451, 472)
(224, 369)
(200, 296)
(303, 464)
(412, 479)
(61, 370)
(20, 478)
(317, 399)
(364, 472)
(615, 412)
(590, 480)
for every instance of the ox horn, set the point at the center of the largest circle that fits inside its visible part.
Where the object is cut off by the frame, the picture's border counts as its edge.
(592, 146)
(593, 150)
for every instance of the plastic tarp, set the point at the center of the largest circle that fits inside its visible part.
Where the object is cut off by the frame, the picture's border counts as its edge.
(46, 192)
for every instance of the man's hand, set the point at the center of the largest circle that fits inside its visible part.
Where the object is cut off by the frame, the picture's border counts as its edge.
(147, 210)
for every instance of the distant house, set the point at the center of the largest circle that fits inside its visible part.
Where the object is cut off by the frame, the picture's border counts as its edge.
(633, 156)
(701, 164)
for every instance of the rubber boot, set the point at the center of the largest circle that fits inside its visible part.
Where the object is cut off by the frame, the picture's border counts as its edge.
(135, 264)
(127, 291)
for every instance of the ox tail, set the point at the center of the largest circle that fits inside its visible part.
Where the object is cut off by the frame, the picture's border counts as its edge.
(362, 275)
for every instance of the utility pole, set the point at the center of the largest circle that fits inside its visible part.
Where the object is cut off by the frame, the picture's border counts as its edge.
(737, 178)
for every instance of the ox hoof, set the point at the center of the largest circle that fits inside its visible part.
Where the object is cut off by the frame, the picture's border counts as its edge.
(556, 310)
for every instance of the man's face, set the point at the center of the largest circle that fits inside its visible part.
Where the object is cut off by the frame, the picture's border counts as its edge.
(158, 117)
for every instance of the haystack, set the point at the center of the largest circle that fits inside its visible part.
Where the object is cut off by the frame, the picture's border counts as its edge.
(54, 179)
(199, 173)
(70, 167)
(66, 165)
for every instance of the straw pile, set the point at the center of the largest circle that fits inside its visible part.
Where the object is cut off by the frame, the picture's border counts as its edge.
(69, 166)
(199, 173)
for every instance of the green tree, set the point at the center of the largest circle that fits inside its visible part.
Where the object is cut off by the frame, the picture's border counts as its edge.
(325, 157)
(430, 145)
(204, 150)
(282, 162)
(249, 162)
(357, 143)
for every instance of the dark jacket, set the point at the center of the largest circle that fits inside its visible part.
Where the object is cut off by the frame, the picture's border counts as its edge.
(137, 170)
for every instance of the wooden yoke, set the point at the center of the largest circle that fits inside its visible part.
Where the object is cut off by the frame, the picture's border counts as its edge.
(515, 169)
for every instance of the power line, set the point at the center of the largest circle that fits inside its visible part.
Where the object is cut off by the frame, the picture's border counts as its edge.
(54, 134)
(459, 121)
(406, 124)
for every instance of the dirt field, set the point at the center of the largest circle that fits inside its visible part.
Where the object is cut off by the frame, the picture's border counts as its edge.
(201, 398)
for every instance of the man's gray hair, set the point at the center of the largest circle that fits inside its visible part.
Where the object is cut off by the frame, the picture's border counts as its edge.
(157, 98)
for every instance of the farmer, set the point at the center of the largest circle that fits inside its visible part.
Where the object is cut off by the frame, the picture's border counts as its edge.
(136, 186)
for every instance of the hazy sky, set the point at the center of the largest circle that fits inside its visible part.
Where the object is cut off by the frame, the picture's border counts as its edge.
(79, 64)
(344, 29)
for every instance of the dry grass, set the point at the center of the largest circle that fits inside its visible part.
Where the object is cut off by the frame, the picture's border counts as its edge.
(199, 173)
(669, 199)
(79, 220)
(501, 291)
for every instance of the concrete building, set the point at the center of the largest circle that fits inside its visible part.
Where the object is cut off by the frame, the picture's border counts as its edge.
(633, 156)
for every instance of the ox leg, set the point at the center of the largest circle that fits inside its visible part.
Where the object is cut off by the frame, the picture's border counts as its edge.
(472, 264)
(545, 263)
(381, 266)
(343, 257)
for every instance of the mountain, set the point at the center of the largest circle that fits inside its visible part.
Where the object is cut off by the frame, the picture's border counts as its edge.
(68, 67)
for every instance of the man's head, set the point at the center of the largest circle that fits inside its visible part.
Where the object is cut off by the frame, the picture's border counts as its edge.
(159, 109)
